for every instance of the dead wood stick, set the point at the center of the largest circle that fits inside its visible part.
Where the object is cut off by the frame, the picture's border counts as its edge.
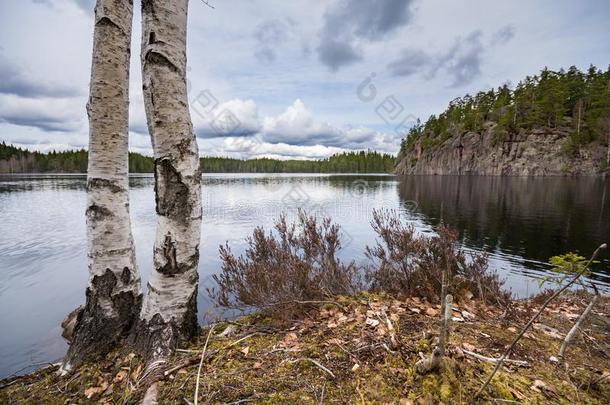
(445, 323)
(316, 363)
(531, 321)
(572, 333)
(426, 365)
(494, 360)
(205, 347)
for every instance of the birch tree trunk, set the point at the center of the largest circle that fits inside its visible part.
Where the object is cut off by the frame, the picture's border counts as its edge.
(169, 310)
(113, 296)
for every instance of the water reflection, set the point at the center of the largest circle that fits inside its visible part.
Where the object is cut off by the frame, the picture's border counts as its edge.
(529, 218)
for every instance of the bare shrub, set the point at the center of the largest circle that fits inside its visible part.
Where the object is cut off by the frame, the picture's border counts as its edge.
(285, 269)
(404, 263)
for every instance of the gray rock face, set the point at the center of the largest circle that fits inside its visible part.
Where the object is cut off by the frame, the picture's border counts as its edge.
(538, 152)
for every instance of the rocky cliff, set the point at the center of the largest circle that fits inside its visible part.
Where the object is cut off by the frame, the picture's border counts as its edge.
(538, 152)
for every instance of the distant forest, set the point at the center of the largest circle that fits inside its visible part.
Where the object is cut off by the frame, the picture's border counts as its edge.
(18, 160)
(574, 99)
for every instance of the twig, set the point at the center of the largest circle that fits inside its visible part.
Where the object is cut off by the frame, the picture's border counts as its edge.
(445, 322)
(205, 347)
(188, 362)
(207, 4)
(531, 321)
(494, 360)
(572, 333)
(426, 365)
(240, 340)
(316, 363)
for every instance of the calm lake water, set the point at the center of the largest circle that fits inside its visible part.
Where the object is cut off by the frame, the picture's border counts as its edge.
(43, 271)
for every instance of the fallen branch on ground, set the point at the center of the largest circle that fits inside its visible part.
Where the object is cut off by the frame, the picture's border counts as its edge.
(572, 333)
(316, 363)
(494, 360)
(531, 321)
(205, 348)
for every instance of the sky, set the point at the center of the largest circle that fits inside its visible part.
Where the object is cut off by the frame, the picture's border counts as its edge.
(295, 79)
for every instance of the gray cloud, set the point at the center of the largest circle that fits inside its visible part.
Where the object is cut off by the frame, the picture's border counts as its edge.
(351, 21)
(503, 35)
(270, 35)
(336, 54)
(86, 5)
(411, 61)
(462, 61)
(266, 54)
(16, 80)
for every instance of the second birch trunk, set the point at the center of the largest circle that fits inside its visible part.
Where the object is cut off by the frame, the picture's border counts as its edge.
(169, 310)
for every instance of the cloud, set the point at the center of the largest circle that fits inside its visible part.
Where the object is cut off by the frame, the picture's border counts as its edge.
(351, 21)
(411, 61)
(336, 54)
(48, 114)
(270, 34)
(86, 5)
(462, 61)
(503, 35)
(297, 126)
(18, 81)
(235, 117)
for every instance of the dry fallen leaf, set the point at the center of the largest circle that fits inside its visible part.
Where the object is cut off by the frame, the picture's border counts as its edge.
(431, 311)
(468, 346)
(415, 310)
(136, 373)
(90, 392)
(547, 330)
(245, 350)
(290, 339)
(120, 376)
(468, 315)
(372, 322)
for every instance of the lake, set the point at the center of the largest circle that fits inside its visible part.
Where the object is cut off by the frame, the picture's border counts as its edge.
(521, 222)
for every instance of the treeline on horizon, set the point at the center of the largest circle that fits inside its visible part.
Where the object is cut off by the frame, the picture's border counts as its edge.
(17, 160)
(574, 99)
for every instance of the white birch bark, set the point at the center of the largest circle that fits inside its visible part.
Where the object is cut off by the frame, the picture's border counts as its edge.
(113, 295)
(169, 309)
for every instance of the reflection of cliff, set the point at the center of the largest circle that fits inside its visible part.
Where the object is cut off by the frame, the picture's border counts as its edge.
(532, 217)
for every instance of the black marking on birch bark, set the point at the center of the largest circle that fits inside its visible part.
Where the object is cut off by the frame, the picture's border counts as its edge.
(97, 213)
(172, 266)
(96, 184)
(157, 338)
(106, 21)
(96, 332)
(171, 194)
(126, 275)
(169, 252)
(158, 58)
(147, 7)
(110, 252)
